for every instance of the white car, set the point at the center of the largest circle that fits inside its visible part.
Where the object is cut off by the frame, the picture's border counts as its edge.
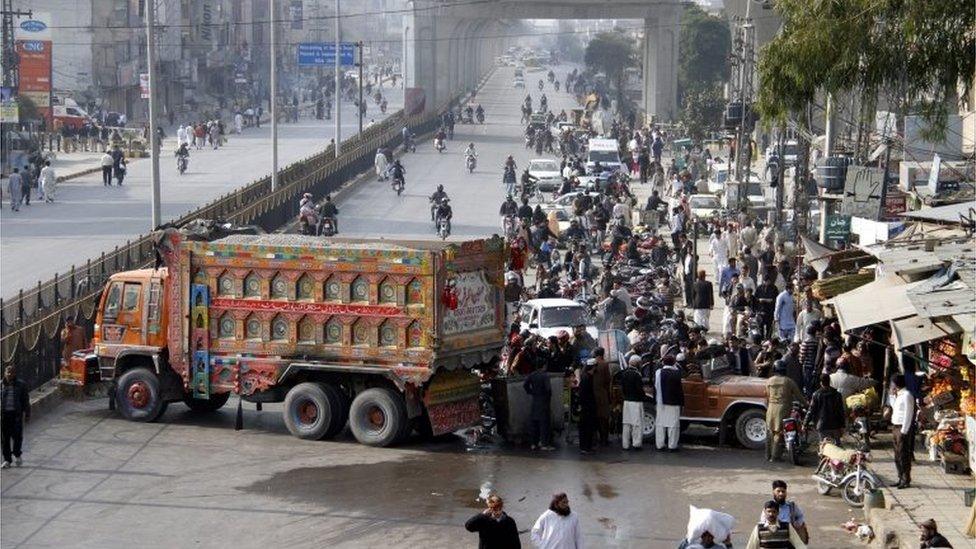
(547, 317)
(704, 205)
(546, 174)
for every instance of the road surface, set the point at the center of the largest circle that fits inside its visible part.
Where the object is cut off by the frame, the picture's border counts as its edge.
(88, 218)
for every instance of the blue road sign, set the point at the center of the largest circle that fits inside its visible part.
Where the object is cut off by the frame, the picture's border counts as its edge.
(322, 54)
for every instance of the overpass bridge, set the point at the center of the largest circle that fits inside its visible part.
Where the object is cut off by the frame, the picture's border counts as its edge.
(448, 44)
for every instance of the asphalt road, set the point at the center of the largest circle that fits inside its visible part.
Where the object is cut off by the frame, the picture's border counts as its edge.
(88, 218)
(91, 479)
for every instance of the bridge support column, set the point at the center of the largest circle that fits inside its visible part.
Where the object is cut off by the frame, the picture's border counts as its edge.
(420, 63)
(660, 48)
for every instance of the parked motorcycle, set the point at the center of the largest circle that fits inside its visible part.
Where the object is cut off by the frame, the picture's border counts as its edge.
(795, 433)
(859, 427)
(845, 470)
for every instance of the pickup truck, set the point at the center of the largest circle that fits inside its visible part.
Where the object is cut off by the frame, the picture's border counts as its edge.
(380, 333)
(716, 397)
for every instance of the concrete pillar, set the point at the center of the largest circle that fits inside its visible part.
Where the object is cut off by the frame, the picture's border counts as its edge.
(420, 55)
(660, 49)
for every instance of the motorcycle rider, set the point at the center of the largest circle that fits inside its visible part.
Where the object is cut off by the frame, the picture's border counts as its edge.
(435, 200)
(480, 113)
(398, 172)
(525, 211)
(184, 152)
(543, 102)
(509, 209)
(528, 102)
(439, 138)
(307, 214)
(469, 152)
(444, 212)
(328, 210)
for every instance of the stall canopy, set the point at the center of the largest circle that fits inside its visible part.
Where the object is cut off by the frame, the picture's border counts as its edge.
(824, 259)
(879, 301)
(916, 329)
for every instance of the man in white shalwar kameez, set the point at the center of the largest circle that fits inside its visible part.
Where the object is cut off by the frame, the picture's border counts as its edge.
(668, 397)
(558, 527)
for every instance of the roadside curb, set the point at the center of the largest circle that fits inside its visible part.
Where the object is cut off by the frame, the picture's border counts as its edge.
(45, 398)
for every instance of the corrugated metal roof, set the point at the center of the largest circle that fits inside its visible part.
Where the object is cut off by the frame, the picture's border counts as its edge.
(944, 214)
(916, 329)
(880, 301)
(944, 303)
(909, 261)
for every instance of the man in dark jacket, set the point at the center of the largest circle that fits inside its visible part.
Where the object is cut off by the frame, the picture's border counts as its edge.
(632, 387)
(540, 390)
(766, 304)
(702, 300)
(827, 411)
(15, 399)
(496, 530)
(670, 397)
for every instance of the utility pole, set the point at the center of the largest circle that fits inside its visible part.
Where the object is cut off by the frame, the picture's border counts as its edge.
(153, 126)
(360, 46)
(11, 74)
(743, 158)
(338, 80)
(274, 98)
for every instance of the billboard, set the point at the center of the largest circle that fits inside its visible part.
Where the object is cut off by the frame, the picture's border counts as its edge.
(32, 42)
(322, 54)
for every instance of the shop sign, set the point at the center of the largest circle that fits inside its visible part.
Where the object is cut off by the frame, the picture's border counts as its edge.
(895, 203)
(144, 85)
(838, 227)
(9, 112)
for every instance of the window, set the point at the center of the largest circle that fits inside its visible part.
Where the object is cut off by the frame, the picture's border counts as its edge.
(227, 327)
(252, 285)
(252, 328)
(113, 300)
(333, 332)
(554, 317)
(306, 287)
(279, 328)
(130, 296)
(388, 291)
(360, 290)
(333, 290)
(360, 333)
(279, 287)
(225, 285)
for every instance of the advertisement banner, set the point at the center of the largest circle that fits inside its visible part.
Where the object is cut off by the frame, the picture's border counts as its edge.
(35, 72)
(295, 14)
(475, 308)
(144, 85)
(9, 112)
(323, 54)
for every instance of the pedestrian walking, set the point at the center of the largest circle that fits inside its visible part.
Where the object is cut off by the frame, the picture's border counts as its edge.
(26, 182)
(118, 164)
(784, 313)
(902, 404)
(108, 163)
(632, 387)
(827, 411)
(702, 300)
(670, 397)
(15, 189)
(496, 530)
(539, 388)
(15, 399)
(49, 181)
(558, 527)
(587, 400)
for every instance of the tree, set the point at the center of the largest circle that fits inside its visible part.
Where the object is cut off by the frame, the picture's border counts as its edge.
(918, 53)
(701, 110)
(611, 53)
(569, 46)
(703, 45)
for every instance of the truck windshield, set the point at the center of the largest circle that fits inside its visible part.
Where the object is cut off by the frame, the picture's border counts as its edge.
(604, 157)
(566, 315)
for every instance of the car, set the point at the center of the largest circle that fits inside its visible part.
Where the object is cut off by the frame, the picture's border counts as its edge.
(549, 316)
(791, 149)
(720, 175)
(715, 397)
(546, 174)
(754, 194)
(704, 205)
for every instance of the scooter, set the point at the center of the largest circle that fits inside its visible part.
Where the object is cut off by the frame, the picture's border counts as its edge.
(439, 145)
(845, 470)
(795, 433)
(471, 162)
(398, 185)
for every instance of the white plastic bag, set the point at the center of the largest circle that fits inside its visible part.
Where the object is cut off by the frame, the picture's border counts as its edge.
(706, 520)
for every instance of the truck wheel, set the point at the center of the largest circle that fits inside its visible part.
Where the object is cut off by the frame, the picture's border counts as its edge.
(377, 417)
(340, 410)
(309, 411)
(138, 397)
(750, 429)
(650, 420)
(202, 405)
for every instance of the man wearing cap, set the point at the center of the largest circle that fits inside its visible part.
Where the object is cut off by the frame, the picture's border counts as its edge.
(632, 387)
(929, 536)
(670, 397)
(781, 391)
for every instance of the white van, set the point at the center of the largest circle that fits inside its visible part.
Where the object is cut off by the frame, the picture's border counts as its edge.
(604, 151)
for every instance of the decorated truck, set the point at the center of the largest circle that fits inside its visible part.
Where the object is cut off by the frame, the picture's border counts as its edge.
(379, 334)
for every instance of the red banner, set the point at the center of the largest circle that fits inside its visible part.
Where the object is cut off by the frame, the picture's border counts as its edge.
(303, 307)
(452, 416)
(35, 72)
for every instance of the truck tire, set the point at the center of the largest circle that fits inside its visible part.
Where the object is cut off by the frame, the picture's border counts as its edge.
(650, 420)
(205, 406)
(378, 417)
(310, 411)
(750, 429)
(138, 396)
(340, 410)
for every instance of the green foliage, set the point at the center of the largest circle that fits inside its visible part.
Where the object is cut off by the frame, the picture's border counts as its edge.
(917, 52)
(701, 110)
(27, 110)
(703, 45)
(611, 53)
